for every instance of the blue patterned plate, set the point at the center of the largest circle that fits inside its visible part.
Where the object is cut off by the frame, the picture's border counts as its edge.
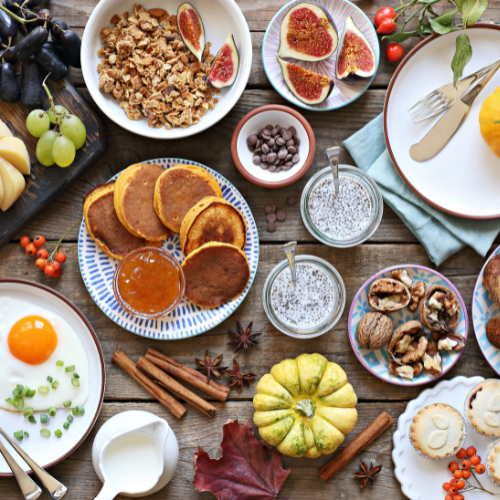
(483, 309)
(377, 361)
(187, 320)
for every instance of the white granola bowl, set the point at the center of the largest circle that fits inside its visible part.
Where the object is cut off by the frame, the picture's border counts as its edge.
(220, 17)
(450, 454)
(466, 406)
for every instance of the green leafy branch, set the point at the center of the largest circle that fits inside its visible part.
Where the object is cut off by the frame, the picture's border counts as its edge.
(429, 22)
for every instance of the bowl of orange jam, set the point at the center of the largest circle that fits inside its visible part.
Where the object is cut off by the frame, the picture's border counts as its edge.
(149, 283)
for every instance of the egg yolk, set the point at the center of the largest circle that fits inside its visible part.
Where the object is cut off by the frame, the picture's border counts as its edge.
(32, 340)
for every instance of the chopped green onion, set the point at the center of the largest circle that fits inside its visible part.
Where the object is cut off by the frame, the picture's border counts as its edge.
(55, 385)
(25, 391)
(28, 412)
(58, 433)
(66, 425)
(16, 403)
(74, 411)
(52, 411)
(49, 379)
(81, 410)
(32, 419)
(31, 393)
(26, 434)
(75, 382)
(60, 363)
(75, 375)
(45, 432)
(67, 403)
(44, 419)
(18, 435)
(70, 418)
(70, 368)
(43, 389)
(17, 392)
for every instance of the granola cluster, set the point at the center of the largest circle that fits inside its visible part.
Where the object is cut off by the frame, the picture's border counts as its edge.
(146, 66)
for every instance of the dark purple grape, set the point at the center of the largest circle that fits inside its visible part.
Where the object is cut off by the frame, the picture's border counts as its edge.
(12, 5)
(57, 49)
(8, 27)
(28, 27)
(31, 84)
(32, 3)
(43, 16)
(2, 42)
(51, 64)
(9, 56)
(71, 44)
(55, 28)
(9, 88)
(31, 43)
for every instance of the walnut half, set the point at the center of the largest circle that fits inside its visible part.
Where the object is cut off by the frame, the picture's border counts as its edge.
(408, 343)
(439, 310)
(406, 371)
(388, 295)
(417, 292)
(402, 275)
(432, 360)
(448, 341)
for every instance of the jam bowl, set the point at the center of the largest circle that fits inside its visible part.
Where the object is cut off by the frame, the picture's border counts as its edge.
(149, 283)
(352, 217)
(311, 306)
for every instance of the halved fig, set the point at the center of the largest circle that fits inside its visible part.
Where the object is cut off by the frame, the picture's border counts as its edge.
(356, 57)
(307, 33)
(191, 29)
(225, 66)
(307, 86)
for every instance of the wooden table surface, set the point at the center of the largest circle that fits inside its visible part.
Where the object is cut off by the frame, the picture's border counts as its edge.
(391, 244)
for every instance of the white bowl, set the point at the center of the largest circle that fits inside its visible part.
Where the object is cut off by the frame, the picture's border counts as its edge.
(220, 17)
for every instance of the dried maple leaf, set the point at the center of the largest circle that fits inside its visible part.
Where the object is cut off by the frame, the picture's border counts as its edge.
(247, 469)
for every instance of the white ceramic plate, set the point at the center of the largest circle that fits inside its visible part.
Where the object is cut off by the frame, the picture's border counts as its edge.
(50, 451)
(420, 478)
(464, 178)
(220, 17)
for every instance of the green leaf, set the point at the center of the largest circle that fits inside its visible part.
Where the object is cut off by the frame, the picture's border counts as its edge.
(463, 54)
(445, 19)
(427, 28)
(399, 37)
(472, 10)
(442, 30)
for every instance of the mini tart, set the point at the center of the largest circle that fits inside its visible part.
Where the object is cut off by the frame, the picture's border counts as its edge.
(437, 431)
(493, 462)
(482, 407)
(178, 189)
(134, 202)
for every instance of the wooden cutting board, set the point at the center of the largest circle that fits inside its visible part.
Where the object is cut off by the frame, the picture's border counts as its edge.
(45, 183)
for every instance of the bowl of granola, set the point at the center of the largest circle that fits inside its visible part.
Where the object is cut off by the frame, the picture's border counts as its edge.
(143, 77)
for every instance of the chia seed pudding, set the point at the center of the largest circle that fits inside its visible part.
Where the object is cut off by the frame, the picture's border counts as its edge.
(344, 217)
(306, 303)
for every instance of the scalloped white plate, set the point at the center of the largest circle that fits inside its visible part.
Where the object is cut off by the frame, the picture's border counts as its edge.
(422, 479)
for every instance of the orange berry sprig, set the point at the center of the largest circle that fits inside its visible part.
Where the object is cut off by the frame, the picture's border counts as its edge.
(49, 264)
(470, 466)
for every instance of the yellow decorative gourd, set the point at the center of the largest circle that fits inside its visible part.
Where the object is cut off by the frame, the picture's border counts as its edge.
(305, 406)
(489, 121)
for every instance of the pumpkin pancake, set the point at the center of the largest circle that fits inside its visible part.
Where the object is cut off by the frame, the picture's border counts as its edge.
(104, 226)
(213, 219)
(134, 202)
(215, 273)
(178, 189)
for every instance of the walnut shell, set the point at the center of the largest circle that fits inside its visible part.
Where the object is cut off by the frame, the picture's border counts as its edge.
(491, 279)
(443, 318)
(403, 338)
(374, 330)
(444, 344)
(388, 295)
(493, 331)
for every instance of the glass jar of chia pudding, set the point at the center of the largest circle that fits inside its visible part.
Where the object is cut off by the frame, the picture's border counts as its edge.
(309, 307)
(348, 219)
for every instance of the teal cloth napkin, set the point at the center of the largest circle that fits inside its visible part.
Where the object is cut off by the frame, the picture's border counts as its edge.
(441, 234)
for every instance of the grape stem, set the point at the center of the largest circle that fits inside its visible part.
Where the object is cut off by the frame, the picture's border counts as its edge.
(51, 257)
(25, 21)
(52, 105)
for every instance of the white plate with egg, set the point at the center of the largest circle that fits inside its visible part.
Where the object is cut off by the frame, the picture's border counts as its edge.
(38, 327)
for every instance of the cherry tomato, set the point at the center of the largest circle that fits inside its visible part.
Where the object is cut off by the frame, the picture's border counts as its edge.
(466, 464)
(41, 263)
(446, 486)
(49, 269)
(394, 52)
(475, 460)
(386, 26)
(453, 466)
(31, 249)
(460, 484)
(458, 474)
(42, 253)
(384, 13)
(480, 469)
(56, 274)
(39, 241)
(24, 241)
(56, 265)
(60, 257)
(466, 474)
(471, 451)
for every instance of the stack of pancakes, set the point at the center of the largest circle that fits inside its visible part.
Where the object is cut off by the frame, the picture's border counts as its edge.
(147, 203)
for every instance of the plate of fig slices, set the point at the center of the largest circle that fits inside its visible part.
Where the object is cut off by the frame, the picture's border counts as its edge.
(408, 325)
(320, 55)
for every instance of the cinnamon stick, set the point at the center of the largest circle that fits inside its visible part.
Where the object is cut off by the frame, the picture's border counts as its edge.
(124, 362)
(197, 380)
(173, 386)
(359, 443)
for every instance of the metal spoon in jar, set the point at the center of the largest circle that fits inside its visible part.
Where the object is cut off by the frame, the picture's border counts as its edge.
(333, 154)
(289, 249)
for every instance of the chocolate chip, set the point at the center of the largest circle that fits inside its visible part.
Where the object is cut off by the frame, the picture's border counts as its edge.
(275, 148)
(256, 160)
(289, 158)
(282, 154)
(281, 216)
(292, 150)
(271, 157)
(263, 157)
(259, 133)
(280, 141)
(270, 209)
(296, 140)
(287, 135)
(271, 217)
(292, 130)
(295, 158)
(265, 148)
(169, 89)
(251, 148)
(287, 167)
(269, 127)
(271, 142)
(252, 139)
(278, 169)
(291, 200)
(264, 165)
(257, 151)
(274, 131)
(258, 144)
(271, 227)
(289, 164)
(272, 168)
(290, 143)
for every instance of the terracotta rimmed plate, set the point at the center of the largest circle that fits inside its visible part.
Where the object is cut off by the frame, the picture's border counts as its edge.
(273, 114)
(464, 178)
(50, 451)
(483, 309)
(345, 91)
(376, 361)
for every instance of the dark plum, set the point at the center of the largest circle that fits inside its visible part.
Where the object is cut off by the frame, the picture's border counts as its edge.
(71, 44)
(57, 49)
(56, 28)
(31, 43)
(8, 27)
(51, 64)
(9, 88)
(31, 84)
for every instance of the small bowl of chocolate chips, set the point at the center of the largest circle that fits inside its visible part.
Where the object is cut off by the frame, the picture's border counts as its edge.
(273, 146)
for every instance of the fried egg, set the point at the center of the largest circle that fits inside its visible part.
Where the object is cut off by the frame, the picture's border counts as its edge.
(32, 341)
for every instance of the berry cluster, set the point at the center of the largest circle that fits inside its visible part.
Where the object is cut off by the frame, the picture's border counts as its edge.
(50, 265)
(470, 466)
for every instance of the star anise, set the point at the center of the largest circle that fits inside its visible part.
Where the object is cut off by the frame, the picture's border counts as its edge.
(211, 367)
(243, 338)
(367, 473)
(237, 378)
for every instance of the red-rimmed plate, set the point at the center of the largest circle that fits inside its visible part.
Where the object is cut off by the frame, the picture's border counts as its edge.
(50, 451)
(464, 178)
